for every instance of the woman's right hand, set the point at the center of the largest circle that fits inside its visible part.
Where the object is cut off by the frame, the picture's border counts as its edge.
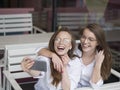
(57, 62)
(27, 63)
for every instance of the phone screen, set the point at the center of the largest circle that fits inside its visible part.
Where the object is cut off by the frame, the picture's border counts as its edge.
(39, 66)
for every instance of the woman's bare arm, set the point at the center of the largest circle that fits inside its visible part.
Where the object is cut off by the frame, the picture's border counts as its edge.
(45, 52)
(55, 59)
(65, 77)
(96, 75)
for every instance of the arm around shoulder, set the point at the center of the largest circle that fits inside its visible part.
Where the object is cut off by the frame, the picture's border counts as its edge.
(45, 52)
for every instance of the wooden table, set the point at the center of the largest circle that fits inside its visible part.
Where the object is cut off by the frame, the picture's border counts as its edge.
(21, 39)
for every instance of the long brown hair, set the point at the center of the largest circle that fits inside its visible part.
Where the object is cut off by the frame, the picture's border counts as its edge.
(102, 45)
(57, 77)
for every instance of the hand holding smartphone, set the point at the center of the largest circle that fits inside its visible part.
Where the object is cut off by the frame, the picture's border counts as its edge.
(39, 66)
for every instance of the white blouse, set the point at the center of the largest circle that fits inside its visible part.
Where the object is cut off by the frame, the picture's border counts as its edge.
(86, 72)
(73, 68)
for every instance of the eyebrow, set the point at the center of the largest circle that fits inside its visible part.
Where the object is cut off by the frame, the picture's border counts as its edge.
(63, 38)
(89, 37)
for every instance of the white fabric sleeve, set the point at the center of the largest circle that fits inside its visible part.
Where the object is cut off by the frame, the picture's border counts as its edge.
(74, 76)
(77, 51)
(96, 85)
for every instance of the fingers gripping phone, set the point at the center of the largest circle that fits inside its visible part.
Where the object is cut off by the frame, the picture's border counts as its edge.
(39, 66)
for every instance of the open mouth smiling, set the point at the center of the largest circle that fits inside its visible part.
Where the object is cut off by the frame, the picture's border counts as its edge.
(61, 48)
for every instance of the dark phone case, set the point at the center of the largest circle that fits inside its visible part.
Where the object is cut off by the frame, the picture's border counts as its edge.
(39, 66)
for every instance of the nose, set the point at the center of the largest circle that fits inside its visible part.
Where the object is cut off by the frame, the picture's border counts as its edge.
(61, 42)
(86, 40)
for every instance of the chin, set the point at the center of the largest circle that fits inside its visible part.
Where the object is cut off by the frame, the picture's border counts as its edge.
(85, 50)
(61, 53)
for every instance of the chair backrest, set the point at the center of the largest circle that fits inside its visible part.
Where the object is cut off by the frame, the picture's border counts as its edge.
(14, 55)
(75, 20)
(15, 23)
(72, 20)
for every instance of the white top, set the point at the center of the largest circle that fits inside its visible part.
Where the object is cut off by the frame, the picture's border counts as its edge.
(73, 68)
(86, 72)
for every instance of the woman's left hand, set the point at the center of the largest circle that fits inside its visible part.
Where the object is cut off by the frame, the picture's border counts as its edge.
(99, 57)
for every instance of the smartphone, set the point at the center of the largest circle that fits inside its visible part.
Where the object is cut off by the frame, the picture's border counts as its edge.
(39, 66)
